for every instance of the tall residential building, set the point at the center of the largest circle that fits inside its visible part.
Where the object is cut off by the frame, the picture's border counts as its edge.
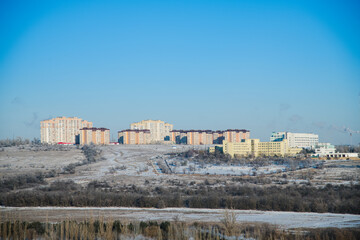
(204, 137)
(134, 136)
(62, 129)
(218, 137)
(98, 136)
(301, 140)
(178, 136)
(256, 148)
(236, 135)
(159, 130)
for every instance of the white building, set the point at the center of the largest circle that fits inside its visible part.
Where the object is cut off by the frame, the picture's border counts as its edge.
(323, 149)
(296, 140)
(342, 155)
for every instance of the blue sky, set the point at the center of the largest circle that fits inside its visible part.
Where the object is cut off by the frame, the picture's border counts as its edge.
(260, 65)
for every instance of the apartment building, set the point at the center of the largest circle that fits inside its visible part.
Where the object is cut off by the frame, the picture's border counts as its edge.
(178, 136)
(218, 137)
(204, 137)
(236, 135)
(134, 136)
(199, 137)
(255, 148)
(159, 130)
(98, 136)
(62, 129)
(300, 140)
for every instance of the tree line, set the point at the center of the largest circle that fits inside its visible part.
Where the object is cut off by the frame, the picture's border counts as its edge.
(332, 198)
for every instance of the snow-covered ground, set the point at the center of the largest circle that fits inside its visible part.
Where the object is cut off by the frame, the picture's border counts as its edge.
(137, 164)
(16, 160)
(223, 169)
(286, 220)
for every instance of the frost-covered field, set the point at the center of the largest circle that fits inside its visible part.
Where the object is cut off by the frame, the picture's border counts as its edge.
(132, 164)
(223, 169)
(23, 160)
(286, 220)
(125, 161)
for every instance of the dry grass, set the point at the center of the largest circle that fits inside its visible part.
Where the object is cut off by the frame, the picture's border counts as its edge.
(112, 230)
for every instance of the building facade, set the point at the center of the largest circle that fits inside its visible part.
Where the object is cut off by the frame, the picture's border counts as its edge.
(62, 129)
(207, 137)
(98, 136)
(296, 140)
(253, 147)
(159, 130)
(134, 136)
(245, 148)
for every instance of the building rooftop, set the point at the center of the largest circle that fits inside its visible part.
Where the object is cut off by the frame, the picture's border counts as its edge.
(135, 130)
(95, 129)
(211, 131)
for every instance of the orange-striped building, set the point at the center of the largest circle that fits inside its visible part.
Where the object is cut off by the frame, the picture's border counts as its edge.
(134, 136)
(98, 136)
(204, 137)
(236, 135)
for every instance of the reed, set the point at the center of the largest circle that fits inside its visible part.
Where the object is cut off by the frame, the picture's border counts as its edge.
(108, 229)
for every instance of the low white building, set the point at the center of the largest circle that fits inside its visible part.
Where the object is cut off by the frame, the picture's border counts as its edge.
(342, 155)
(296, 140)
(323, 149)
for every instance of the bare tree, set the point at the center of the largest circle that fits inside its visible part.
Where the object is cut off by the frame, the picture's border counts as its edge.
(229, 222)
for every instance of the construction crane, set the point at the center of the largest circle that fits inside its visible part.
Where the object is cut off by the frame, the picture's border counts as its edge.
(351, 132)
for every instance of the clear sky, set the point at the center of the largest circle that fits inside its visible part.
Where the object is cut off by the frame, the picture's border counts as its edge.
(259, 65)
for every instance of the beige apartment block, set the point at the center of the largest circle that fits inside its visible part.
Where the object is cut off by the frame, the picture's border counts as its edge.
(207, 137)
(62, 129)
(236, 135)
(178, 136)
(199, 137)
(256, 148)
(159, 130)
(98, 136)
(218, 137)
(175, 136)
(204, 137)
(134, 136)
